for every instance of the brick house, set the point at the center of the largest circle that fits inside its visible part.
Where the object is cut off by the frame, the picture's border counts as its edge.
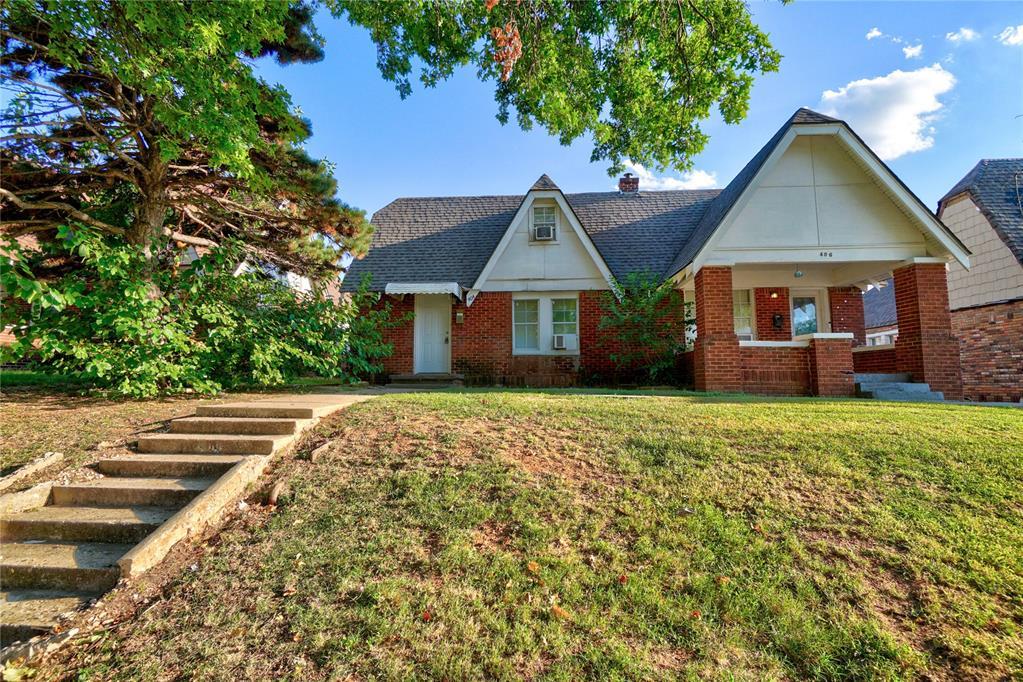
(508, 289)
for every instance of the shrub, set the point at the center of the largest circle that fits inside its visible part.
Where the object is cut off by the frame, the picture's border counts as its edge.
(139, 330)
(644, 328)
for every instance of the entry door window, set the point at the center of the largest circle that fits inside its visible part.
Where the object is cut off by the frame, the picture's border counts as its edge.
(804, 315)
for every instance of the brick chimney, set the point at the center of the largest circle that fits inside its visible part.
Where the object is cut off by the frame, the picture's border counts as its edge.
(628, 184)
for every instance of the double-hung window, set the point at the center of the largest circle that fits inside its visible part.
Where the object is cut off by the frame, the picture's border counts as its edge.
(526, 324)
(564, 314)
(544, 223)
(742, 313)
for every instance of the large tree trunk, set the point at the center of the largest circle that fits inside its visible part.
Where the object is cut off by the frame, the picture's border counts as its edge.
(151, 211)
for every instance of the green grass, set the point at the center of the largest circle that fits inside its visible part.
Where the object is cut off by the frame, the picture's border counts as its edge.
(565, 537)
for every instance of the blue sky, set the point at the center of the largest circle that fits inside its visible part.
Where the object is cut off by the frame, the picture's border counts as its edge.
(935, 87)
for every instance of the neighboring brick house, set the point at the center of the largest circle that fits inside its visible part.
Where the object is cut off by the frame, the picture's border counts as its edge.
(985, 210)
(508, 289)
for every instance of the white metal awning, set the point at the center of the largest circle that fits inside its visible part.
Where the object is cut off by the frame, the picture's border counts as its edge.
(424, 288)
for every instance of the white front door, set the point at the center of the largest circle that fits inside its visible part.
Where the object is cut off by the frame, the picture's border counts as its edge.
(433, 334)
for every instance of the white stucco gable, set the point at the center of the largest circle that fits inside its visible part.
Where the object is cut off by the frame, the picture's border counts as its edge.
(570, 262)
(822, 196)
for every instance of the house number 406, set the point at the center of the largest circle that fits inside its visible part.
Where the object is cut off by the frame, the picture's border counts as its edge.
(827, 254)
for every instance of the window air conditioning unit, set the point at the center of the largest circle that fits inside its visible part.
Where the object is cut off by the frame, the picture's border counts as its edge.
(564, 341)
(543, 233)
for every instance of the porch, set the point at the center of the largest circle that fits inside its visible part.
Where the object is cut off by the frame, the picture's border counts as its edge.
(806, 337)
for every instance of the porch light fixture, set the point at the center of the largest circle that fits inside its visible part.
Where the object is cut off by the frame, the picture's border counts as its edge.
(798, 273)
(774, 294)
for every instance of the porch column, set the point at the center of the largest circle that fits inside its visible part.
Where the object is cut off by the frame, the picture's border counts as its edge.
(831, 365)
(716, 356)
(926, 347)
(846, 304)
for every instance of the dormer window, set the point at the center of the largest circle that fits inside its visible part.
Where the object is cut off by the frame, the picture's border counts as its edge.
(545, 227)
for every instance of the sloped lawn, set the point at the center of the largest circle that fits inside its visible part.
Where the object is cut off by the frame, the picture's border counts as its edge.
(523, 535)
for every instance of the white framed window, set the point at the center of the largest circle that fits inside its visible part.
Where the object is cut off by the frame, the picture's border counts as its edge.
(545, 223)
(742, 313)
(526, 324)
(538, 317)
(565, 316)
(805, 314)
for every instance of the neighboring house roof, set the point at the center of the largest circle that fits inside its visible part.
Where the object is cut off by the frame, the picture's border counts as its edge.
(879, 307)
(452, 238)
(996, 187)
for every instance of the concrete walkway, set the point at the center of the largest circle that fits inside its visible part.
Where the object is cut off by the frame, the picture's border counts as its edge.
(63, 547)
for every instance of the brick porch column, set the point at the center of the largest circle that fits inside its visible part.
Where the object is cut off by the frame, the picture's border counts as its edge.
(926, 347)
(846, 304)
(831, 367)
(716, 351)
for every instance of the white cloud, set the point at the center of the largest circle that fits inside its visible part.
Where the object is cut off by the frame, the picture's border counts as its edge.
(892, 113)
(963, 35)
(913, 52)
(1012, 35)
(694, 179)
(874, 33)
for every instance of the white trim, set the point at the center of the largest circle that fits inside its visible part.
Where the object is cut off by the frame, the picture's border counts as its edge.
(774, 344)
(395, 288)
(931, 225)
(922, 260)
(824, 336)
(522, 214)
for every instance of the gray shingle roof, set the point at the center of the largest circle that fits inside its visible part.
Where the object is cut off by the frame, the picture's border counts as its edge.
(544, 182)
(445, 239)
(879, 307)
(996, 187)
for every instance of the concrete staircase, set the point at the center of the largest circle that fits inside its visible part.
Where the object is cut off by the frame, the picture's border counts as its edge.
(894, 387)
(58, 557)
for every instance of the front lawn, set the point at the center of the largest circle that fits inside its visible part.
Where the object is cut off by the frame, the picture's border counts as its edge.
(544, 536)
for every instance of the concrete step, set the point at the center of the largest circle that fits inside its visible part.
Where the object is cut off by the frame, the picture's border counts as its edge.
(84, 524)
(904, 396)
(876, 378)
(25, 613)
(432, 380)
(248, 426)
(212, 444)
(199, 466)
(259, 411)
(894, 386)
(130, 492)
(81, 566)
(423, 385)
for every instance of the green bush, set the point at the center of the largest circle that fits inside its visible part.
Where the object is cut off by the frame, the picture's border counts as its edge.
(643, 326)
(139, 330)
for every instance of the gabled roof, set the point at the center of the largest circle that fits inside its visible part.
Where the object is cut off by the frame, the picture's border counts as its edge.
(996, 187)
(879, 306)
(543, 183)
(452, 238)
(448, 239)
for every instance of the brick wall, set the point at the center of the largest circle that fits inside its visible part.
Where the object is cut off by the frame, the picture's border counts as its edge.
(831, 367)
(481, 346)
(991, 347)
(926, 347)
(846, 305)
(875, 359)
(765, 308)
(401, 336)
(774, 371)
(717, 366)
